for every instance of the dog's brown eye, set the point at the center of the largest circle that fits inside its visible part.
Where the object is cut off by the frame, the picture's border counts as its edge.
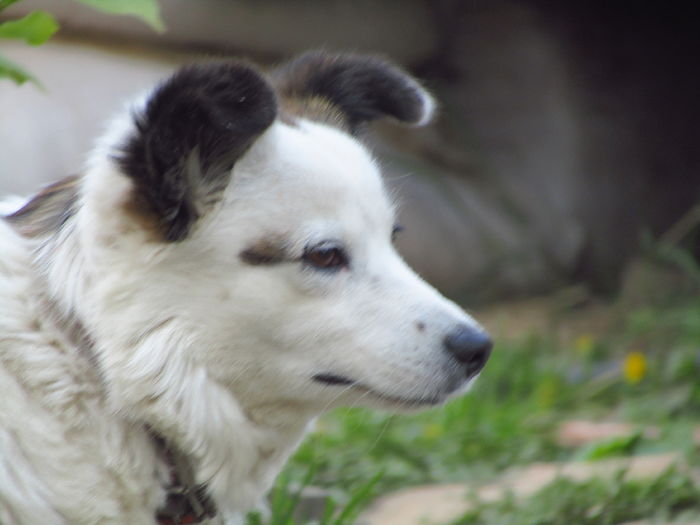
(326, 257)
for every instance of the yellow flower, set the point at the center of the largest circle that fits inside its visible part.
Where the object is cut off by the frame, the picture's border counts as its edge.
(584, 344)
(635, 367)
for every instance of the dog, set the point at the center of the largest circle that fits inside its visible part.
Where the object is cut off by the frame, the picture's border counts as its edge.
(174, 319)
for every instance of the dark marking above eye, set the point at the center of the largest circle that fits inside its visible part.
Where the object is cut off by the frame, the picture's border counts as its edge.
(264, 252)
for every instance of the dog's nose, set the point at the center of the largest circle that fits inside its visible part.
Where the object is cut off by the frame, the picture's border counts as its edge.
(470, 346)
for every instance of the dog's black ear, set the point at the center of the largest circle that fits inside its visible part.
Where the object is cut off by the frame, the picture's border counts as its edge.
(188, 136)
(360, 88)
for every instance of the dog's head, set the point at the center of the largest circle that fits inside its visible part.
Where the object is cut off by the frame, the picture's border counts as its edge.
(238, 219)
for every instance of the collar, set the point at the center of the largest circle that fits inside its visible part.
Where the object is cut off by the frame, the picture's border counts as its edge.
(186, 502)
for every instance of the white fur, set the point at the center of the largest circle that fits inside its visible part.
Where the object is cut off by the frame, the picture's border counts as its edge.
(11, 204)
(215, 354)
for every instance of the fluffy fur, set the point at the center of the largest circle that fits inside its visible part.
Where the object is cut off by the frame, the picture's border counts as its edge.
(221, 274)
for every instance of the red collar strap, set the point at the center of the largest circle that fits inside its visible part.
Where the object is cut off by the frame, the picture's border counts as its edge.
(186, 502)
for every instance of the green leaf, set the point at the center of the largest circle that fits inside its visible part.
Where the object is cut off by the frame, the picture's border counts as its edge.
(358, 501)
(6, 3)
(146, 10)
(35, 28)
(9, 69)
(617, 446)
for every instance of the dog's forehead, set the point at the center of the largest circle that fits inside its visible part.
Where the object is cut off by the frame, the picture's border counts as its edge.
(310, 165)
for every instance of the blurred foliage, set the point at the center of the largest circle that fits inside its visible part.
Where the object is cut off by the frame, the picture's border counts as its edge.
(35, 28)
(39, 26)
(673, 495)
(7, 3)
(146, 10)
(285, 499)
(14, 72)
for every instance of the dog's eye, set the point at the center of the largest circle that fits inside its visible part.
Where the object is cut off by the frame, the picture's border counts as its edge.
(395, 232)
(326, 256)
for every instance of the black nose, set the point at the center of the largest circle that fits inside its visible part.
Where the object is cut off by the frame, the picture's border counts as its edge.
(470, 346)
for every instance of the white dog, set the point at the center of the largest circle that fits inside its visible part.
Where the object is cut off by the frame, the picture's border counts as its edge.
(223, 272)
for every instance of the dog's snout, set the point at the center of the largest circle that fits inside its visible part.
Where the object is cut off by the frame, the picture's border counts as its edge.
(470, 346)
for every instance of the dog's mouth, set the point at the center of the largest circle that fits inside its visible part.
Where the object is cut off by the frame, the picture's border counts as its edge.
(351, 384)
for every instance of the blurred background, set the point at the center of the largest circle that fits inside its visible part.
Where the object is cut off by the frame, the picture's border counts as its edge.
(566, 133)
(557, 194)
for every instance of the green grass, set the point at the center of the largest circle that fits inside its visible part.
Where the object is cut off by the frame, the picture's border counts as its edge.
(672, 495)
(284, 503)
(527, 389)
